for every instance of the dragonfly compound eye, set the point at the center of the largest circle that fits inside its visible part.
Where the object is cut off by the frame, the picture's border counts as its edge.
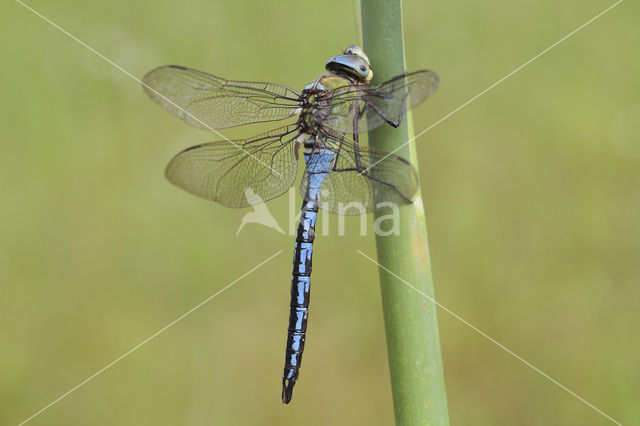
(352, 66)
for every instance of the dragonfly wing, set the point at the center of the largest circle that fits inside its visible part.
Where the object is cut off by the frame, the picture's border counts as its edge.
(378, 103)
(209, 102)
(363, 177)
(238, 174)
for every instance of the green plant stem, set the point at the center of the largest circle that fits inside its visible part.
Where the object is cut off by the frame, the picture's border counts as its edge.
(415, 361)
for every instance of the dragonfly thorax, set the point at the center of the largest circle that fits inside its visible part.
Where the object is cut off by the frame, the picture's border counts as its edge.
(314, 86)
(311, 105)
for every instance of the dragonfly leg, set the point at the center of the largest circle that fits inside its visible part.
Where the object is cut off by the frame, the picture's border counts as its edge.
(390, 121)
(357, 115)
(357, 156)
(369, 176)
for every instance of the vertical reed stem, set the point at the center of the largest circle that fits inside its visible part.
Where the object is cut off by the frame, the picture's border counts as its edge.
(413, 345)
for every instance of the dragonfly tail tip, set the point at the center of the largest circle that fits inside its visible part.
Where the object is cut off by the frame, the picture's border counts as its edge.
(287, 390)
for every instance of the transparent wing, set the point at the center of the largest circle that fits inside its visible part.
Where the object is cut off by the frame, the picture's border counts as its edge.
(251, 172)
(206, 101)
(378, 103)
(362, 178)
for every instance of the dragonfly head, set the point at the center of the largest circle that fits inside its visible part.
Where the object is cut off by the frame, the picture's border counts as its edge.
(353, 63)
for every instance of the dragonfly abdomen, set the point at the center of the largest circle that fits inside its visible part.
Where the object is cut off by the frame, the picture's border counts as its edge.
(319, 165)
(299, 306)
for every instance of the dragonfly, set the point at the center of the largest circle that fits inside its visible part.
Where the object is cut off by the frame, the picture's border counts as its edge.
(326, 118)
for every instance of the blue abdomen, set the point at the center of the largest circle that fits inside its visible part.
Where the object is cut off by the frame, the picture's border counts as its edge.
(319, 164)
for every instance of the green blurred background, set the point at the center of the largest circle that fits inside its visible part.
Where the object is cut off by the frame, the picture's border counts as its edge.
(532, 195)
